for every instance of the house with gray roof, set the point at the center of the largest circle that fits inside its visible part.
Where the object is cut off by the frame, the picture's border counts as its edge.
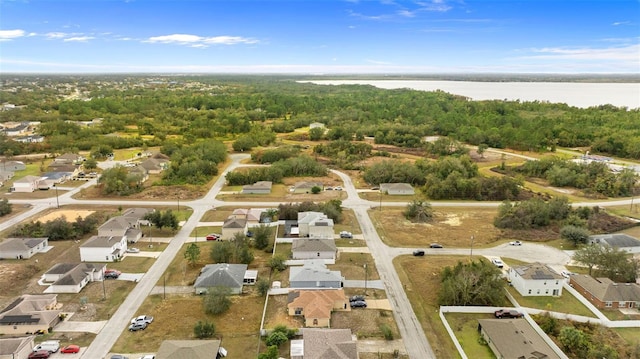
(605, 293)
(536, 280)
(315, 225)
(72, 277)
(621, 241)
(314, 248)
(103, 249)
(397, 189)
(305, 186)
(140, 172)
(515, 339)
(18, 347)
(221, 275)
(233, 225)
(13, 166)
(314, 274)
(190, 349)
(29, 314)
(22, 248)
(127, 226)
(260, 187)
(154, 166)
(324, 344)
(26, 184)
(69, 158)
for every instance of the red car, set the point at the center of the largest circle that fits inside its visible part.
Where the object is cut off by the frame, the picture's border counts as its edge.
(212, 237)
(39, 354)
(70, 349)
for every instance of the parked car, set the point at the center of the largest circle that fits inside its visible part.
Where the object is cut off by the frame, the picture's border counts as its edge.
(249, 234)
(142, 319)
(357, 298)
(345, 234)
(111, 275)
(567, 274)
(40, 354)
(418, 252)
(213, 237)
(358, 304)
(70, 349)
(149, 356)
(435, 245)
(515, 243)
(338, 188)
(497, 262)
(52, 346)
(137, 326)
(133, 250)
(328, 188)
(508, 313)
(118, 356)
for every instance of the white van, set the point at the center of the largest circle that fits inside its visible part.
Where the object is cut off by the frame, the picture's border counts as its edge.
(52, 346)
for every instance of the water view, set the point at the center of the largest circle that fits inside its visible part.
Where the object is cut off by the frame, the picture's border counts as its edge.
(576, 94)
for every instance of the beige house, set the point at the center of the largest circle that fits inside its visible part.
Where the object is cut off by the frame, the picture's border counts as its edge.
(397, 189)
(26, 184)
(324, 343)
(515, 338)
(233, 225)
(18, 347)
(316, 305)
(30, 314)
(260, 187)
(605, 293)
(72, 277)
(190, 349)
(315, 225)
(305, 186)
(314, 248)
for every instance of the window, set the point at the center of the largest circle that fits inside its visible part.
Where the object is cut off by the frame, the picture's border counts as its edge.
(538, 291)
(546, 291)
(607, 304)
(529, 291)
(622, 304)
(298, 311)
(315, 322)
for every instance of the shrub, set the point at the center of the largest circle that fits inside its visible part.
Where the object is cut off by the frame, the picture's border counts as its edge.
(204, 330)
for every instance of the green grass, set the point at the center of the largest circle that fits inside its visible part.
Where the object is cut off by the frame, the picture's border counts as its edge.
(345, 242)
(133, 264)
(465, 328)
(631, 335)
(567, 303)
(202, 231)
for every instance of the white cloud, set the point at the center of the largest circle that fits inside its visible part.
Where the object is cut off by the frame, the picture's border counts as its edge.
(624, 53)
(79, 39)
(55, 35)
(200, 41)
(376, 62)
(618, 23)
(6, 35)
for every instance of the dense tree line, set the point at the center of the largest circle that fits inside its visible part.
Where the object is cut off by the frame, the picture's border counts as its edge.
(332, 208)
(344, 154)
(118, 181)
(474, 283)
(609, 262)
(533, 213)
(300, 166)
(59, 229)
(272, 155)
(193, 164)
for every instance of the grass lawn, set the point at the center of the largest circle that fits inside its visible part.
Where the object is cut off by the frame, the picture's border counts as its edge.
(567, 303)
(614, 314)
(132, 264)
(350, 242)
(631, 335)
(465, 328)
(203, 231)
(352, 266)
(284, 250)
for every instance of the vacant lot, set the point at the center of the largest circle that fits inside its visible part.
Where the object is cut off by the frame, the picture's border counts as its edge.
(451, 227)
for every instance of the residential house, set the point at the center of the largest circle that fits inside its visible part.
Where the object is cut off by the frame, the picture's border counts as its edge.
(13, 166)
(314, 248)
(621, 241)
(22, 248)
(18, 130)
(397, 189)
(127, 226)
(314, 274)
(316, 305)
(29, 139)
(316, 125)
(16, 347)
(64, 167)
(305, 186)
(324, 344)
(51, 179)
(315, 225)
(190, 349)
(26, 184)
(30, 314)
(103, 249)
(536, 280)
(221, 275)
(233, 225)
(260, 187)
(72, 277)
(154, 166)
(69, 158)
(514, 339)
(5, 176)
(605, 293)
(140, 172)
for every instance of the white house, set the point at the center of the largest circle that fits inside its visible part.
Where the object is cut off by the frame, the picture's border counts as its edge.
(22, 248)
(72, 277)
(536, 280)
(26, 184)
(397, 189)
(313, 248)
(314, 274)
(103, 249)
(315, 225)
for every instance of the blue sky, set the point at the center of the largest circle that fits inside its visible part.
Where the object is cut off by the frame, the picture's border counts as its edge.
(322, 36)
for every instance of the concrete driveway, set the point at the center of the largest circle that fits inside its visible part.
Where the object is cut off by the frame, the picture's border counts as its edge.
(82, 327)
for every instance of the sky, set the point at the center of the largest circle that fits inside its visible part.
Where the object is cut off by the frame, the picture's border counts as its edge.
(320, 36)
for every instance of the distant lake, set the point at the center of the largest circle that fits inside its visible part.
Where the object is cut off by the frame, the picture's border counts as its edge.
(578, 94)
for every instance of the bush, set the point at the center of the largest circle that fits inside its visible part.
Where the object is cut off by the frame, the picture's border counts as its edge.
(204, 330)
(386, 331)
(217, 300)
(263, 286)
(276, 338)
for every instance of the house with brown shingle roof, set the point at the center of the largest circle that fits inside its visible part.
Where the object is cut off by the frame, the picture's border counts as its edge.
(605, 293)
(397, 189)
(233, 225)
(190, 349)
(18, 347)
(324, 344)
(69, 158)
(316, 306)
(29, 314)
(514, 339)
(154, 166)
(314, 248)
(260, 187)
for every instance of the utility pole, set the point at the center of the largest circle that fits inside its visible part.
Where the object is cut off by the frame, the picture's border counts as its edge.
(57, 201)
(365, 278)
(471, 253)
(104, 290)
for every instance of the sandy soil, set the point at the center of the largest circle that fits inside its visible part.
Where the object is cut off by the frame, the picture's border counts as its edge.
(70, 215)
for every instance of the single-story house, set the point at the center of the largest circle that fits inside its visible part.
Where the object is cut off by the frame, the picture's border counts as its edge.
(621, 241)
(305, 186)
(13, 166)
(514, 338)
(191, 349)
(315, 225)
(17, 130)
(260, 187)
(69, 158)
(314, 248)
(397, 189)
(29, 314)
(103, 249)
(605, 293)
(22, 248)
(72, 277)
(316, 305)
(26, 184)
(126, 225)
(324, 343)
(54, 178)
(536, 280)
(155, 166)
(314, 274)
(221, 275)
(29, 139)
(233, 225)
(18, 347)
(316, 125)
(139, 171)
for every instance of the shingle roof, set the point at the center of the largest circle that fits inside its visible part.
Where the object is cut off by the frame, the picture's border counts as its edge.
(20, 244)
(221, 274)
(233, 222)
(329, 344)
(316, 303)
(537, 271)
(188, 349)
(76, 273)
(313, 271)
(308, 217)
(515, 338)
(606, 290)
(615, 240)
(313, 245)
(308, 184)
(101, 241)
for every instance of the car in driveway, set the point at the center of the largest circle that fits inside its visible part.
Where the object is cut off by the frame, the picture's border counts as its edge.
(112, 275)
(212, 237)
(357, 298)
(39, 354)
(358, 304)
(515, 243)
(508, 313)
(119, 356)
(418, 253)
(497, 262)
(133, 250)
(52, 346)
(72, 348)
(137, 326)
(345, 234)
(148, 356)
(567, 274)
(142, 319)
(435, 245)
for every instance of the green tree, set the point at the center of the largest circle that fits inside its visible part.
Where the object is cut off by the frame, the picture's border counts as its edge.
(169, 219)
(192, 254)
(316, 190)
(203, 330)
(217, 300)
(262, 285)
(475, 283)
(316, 133)
(276, 338)
(262, 236)
(118, 181)
(271, 353)
(481, 149)
(221, 252)
(277, 262)
(418, 211)
(574, 341)
(5, 207)
(59, 229)
(575, 235)
(90, 164)
(589, 256)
